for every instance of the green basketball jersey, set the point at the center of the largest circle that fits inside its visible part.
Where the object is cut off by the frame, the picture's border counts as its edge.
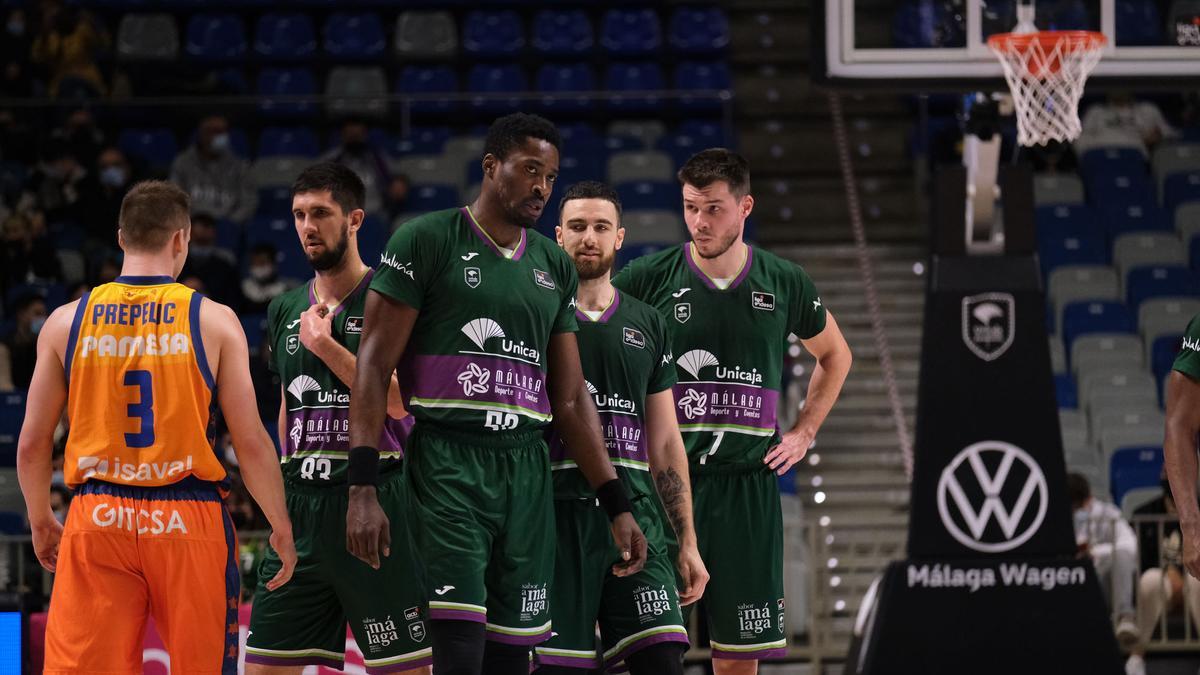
(477, 359)
(729, 345)
(626, 356)
(317, 433)
(1188, 360)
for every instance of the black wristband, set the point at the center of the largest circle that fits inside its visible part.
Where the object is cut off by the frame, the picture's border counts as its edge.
(612, 497)
(363, 467)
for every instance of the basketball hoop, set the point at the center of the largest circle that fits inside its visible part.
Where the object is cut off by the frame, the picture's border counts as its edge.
(1046, 71)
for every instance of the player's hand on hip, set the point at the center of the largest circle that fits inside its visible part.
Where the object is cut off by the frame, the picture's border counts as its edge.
(368, 533)
(631, 543)
(791, 449)
(285, 547)
(694, 575)
(46, 536)
(316, 326)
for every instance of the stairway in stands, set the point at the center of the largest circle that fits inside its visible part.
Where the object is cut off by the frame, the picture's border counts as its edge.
(853, 485)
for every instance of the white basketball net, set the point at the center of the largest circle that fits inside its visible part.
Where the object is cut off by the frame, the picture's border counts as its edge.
(1046, 77)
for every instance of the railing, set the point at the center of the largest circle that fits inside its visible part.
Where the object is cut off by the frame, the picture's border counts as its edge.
(1164, 638)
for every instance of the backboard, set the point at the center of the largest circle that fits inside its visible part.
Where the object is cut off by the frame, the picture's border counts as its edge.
(939, 45)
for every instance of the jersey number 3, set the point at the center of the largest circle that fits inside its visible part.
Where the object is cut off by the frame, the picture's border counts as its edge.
(143, 410)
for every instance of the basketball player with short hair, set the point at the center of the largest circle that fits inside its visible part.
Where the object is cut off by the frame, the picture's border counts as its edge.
(1179, 444)
(626, 354)
(138, 364)
(482, 310)
(731, 307)
(313, 332)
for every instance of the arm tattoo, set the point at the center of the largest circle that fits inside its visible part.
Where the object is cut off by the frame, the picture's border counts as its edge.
(671, 490)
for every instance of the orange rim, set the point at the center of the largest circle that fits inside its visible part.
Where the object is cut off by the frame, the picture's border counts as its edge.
(1075, 40)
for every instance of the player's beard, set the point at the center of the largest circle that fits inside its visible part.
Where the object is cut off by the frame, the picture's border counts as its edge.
(594, 269)
(722, 246)
(332, 257)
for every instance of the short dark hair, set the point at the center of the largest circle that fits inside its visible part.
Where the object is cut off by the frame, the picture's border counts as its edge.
(510, 131)
(342, 183)
(1078, 489)
(591, 189)
(717, 164)
(151, 212)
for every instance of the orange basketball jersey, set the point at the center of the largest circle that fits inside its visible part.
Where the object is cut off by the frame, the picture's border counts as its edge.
(139, 387)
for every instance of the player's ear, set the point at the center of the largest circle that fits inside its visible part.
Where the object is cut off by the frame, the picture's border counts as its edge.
(747, 205)
(489, 165)
(357, 216)
(558, 235)
(620, 236)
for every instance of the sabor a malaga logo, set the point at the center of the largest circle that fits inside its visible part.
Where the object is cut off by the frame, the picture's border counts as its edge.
(991, 487)
(989, 322)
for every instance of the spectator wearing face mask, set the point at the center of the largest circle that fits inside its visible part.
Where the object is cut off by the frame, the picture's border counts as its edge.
(112, 178)
(264, 282)
(30, 312)
(217, 180)
(358, 154)
(214, 266)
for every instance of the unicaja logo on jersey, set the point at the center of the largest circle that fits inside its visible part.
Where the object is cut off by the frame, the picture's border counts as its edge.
(610, 402)
(483, 329)
(302, 385)
(697, 359)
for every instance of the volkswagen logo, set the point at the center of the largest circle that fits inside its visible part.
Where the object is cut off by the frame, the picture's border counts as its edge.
(992, 497)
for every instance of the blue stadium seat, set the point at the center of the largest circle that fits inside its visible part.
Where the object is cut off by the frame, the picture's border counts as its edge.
(1179, 188)
(564, 79)
(1115, 190)
(255, 326)
(707, 133)
(631, 32)
(679, 146)
(697, 76)
(425, 198)
(354, 36)
(1135, 218)
(274, 201)
(559, 32)
(1084, 317)
(583, 161)
(372, 239)
(1060, 219)
(1064, 391)
(287, 36)
(496, 79)
(294, 141)
(1158, 281)
(648, 195)
(1163, 353)
(429, 80)
(631, 253)
(420, 141)
(12, 414)
(286, 82)
(12, 523)
(216, 37)
(493, 33)
(698, 30)
(626, 80)
(1072, 249)
(1139, 23)
(578, 132)
(1131, 468)
(156, 147)
(1113, 161)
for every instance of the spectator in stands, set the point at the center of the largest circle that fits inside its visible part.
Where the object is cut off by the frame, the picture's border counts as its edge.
(81, 136)
(58, 184)
(27, 253)
(371, 166)
(68, 47)
(1124, 122)
(16, 80)
(30, 312)
(218, 181)
(1104, 536)
(264, 282)
(1164, 584)
(112, 178)
(216, 267)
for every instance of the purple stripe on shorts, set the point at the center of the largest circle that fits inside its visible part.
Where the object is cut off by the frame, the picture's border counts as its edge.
(569, 661)
(456, 615)
(641, 644)
(522, 640)
(401, 667)
(756, 655)
(314, 660)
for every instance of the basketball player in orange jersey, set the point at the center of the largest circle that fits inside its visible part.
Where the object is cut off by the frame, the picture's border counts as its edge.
(138, 363)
